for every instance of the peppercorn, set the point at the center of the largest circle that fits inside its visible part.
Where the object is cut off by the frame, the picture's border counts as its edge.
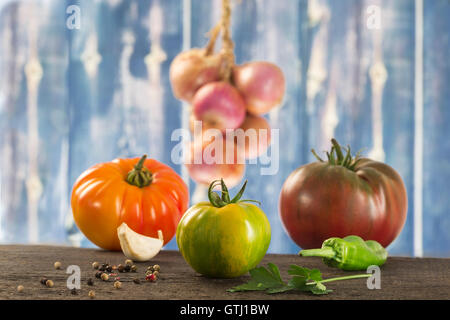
(156, 267)
(103, 267)
(137, 281)
(128, 262)
(20, 288)
(90, 282)
(133, 268)
(49, 283)
(43, 280)
(109, 268)
(104, 277)
(151, 277)
(95, 265)
(57, 265)
(98, 274)
(74, 291)
(117, 284)
(127, 268)
(91, 294)
(120, 268)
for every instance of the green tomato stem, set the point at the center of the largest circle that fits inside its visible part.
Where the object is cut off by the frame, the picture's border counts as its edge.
(316, 155)
(337, 148)
(225, 193)
(140, 176)
(222, 201)
(238, 196)
(336, 156)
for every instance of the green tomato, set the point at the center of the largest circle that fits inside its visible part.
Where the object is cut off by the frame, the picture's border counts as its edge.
(225, 241)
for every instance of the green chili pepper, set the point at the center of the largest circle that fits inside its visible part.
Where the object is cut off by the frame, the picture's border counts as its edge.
(349, 253)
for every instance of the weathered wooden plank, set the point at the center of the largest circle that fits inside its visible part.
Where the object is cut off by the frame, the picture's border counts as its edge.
(401, 278)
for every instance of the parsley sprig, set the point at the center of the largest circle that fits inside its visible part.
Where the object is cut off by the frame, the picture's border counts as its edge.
(303, 279)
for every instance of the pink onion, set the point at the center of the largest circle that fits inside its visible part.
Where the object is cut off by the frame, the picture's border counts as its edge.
(192, 69)
(204, 125)
(256, 136)
(205, 171)
(219, 105)
(262, 85)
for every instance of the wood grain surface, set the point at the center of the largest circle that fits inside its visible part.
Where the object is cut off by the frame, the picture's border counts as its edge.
(401, 278)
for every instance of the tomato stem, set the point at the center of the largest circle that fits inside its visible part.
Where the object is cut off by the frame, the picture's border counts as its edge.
(220, 202)
(140, 176)
(338, 149)
(140, 163)
(238, 195)
(316, 155)
(336, 156)
(225, 194)
(213, 197)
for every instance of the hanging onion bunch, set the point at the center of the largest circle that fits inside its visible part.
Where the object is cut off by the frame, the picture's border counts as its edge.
(191, 69)
(224, 96)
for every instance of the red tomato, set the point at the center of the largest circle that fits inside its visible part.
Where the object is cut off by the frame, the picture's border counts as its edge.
(146, 194)
(341, 197)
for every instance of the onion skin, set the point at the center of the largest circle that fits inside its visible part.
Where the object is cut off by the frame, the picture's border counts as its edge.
(205, 125)
(253, 148)
(204, 173)
(261, 83)
(192, 69)
(219, 105)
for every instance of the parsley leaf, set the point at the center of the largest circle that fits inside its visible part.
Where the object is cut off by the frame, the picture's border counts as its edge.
(319, 288)
(263, 279)
(309, 274)
(303, 279)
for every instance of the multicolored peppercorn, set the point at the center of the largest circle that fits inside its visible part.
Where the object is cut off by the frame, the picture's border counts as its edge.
(104, 277)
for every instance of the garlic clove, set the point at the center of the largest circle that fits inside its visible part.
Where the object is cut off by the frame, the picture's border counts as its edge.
(136, 246)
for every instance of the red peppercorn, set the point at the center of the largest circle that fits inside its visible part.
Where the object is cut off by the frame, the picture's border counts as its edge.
(150, 277)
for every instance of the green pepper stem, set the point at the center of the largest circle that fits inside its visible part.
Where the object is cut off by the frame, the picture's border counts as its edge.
(325, 252)
(356, 276)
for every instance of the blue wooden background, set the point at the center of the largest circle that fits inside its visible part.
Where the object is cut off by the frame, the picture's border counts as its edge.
(70, 98)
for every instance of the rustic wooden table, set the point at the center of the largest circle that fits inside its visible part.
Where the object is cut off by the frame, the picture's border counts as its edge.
(401, 278)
